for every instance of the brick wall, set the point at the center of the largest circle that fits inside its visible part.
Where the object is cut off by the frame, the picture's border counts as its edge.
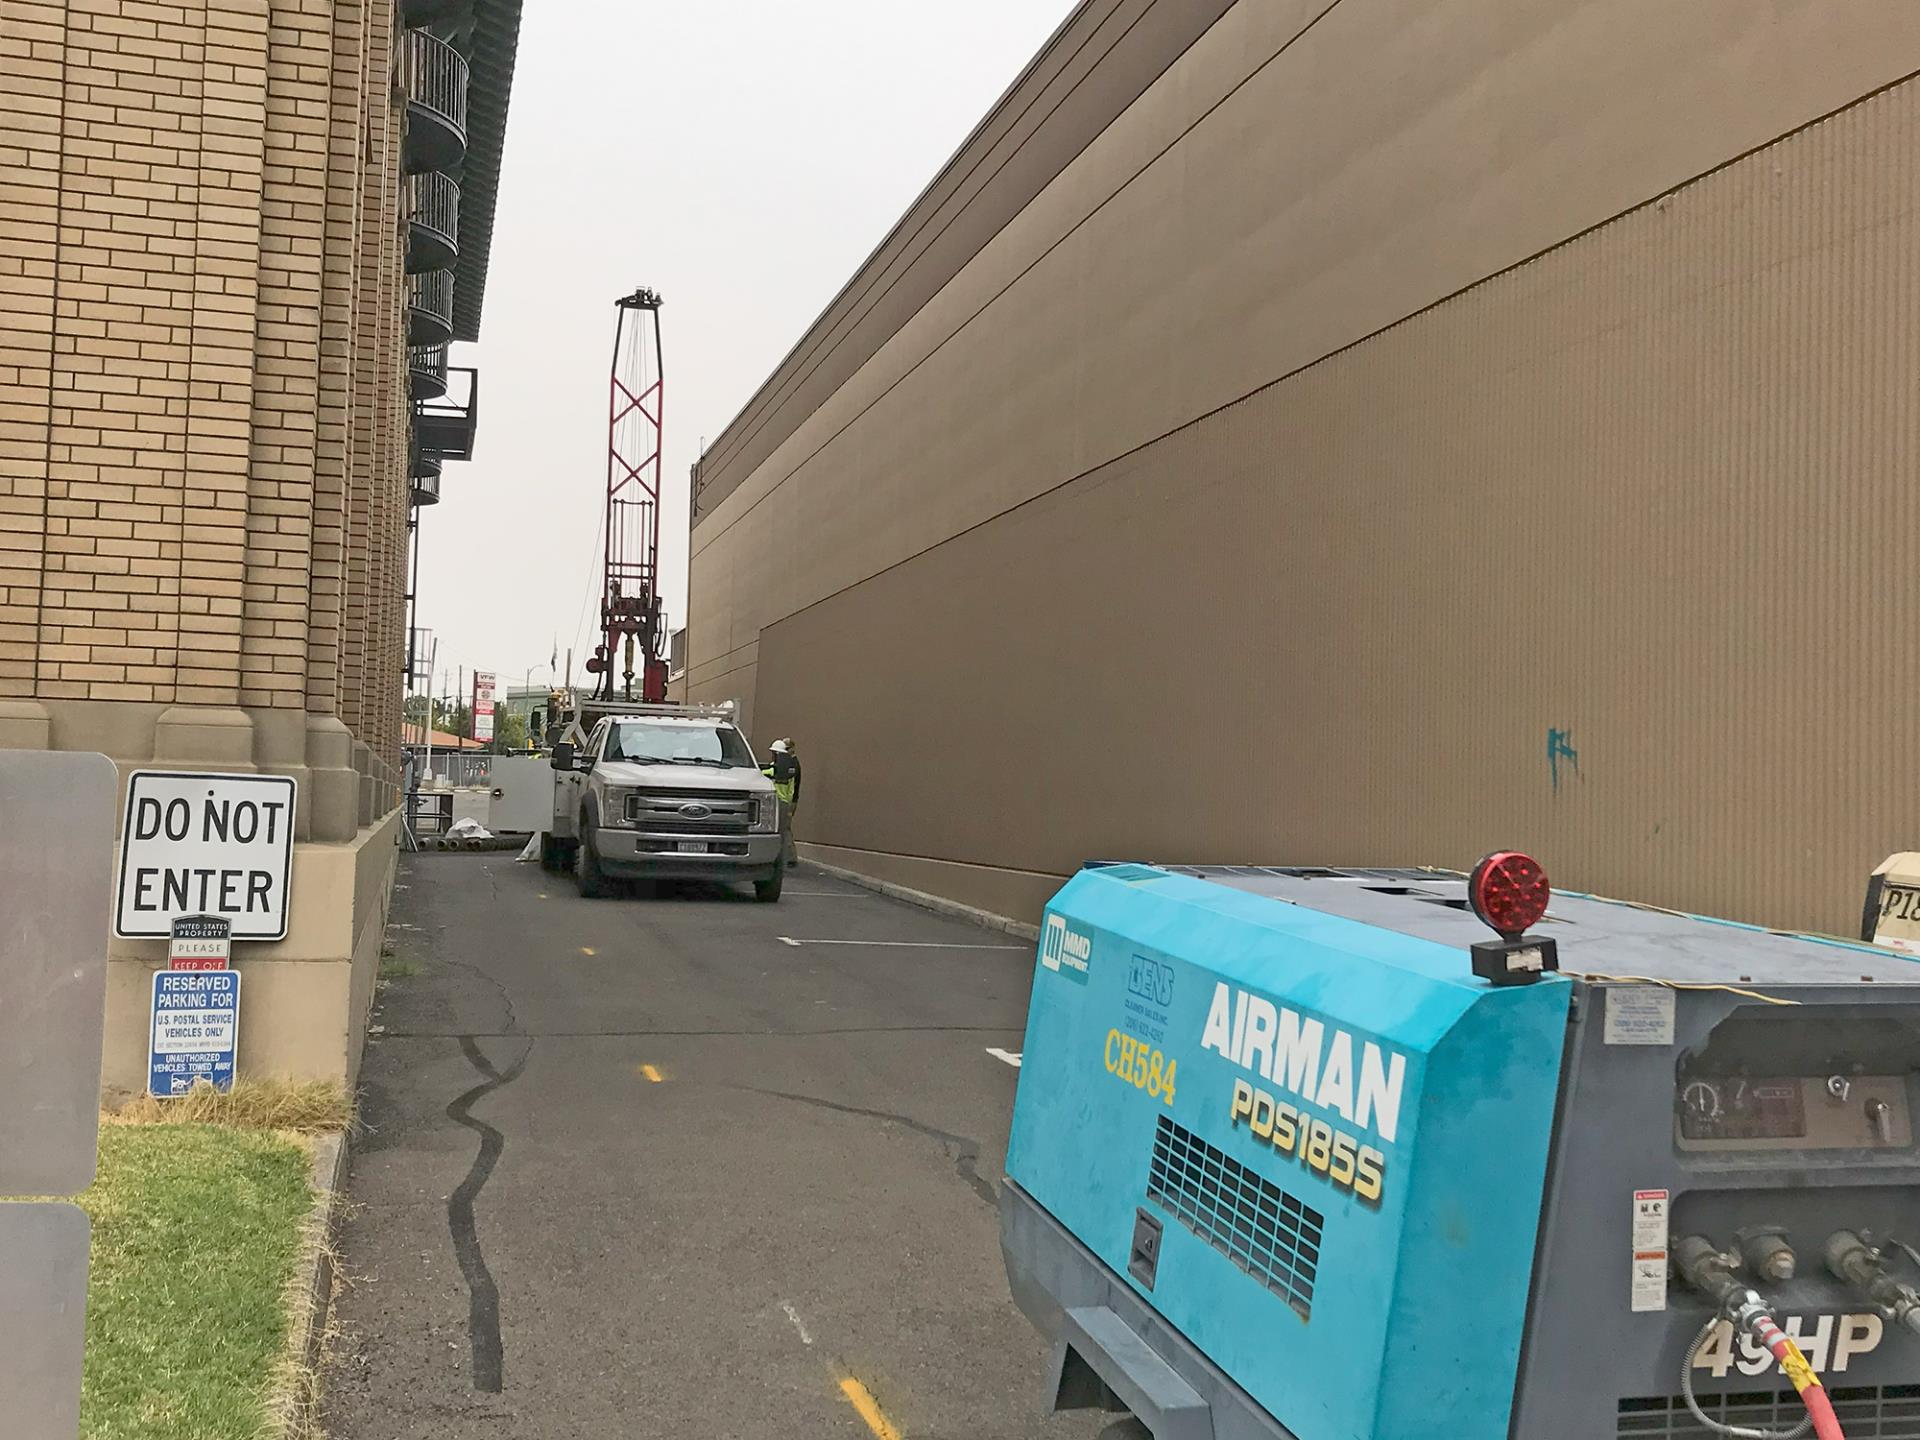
(203, 423)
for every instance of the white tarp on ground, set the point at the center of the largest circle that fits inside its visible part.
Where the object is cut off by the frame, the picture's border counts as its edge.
(469, 829)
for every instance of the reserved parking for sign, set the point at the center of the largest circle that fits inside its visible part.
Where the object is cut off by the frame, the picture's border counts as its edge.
(196, 1030)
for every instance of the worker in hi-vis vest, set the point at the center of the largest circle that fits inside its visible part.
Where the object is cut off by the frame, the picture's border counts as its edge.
(783, 768)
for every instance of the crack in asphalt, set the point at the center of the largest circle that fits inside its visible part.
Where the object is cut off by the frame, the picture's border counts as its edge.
(484, 990)
(966, 1153)
(483, 1293)
(483, 1302)
(510, 1028)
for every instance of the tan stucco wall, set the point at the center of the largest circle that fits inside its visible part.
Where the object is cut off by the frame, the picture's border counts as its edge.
(1216, 511)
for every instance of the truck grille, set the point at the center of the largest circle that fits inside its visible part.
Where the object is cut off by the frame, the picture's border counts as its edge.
(1865, 1412)
(1246, 1217)
(728, 811)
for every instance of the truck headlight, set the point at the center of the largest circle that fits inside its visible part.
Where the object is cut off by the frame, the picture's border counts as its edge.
(616, 807)
(766, 814)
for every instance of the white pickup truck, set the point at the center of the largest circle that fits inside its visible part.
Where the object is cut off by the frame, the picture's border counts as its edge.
(663, 792)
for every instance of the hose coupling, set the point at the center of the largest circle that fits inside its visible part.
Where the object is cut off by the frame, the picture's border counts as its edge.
(1712, 1272)
(1767, 1253)
(1852, 1259)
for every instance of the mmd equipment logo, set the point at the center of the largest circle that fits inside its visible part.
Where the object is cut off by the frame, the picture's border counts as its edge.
(1065, 950)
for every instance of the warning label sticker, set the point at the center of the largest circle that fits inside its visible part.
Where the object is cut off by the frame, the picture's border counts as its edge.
(1649, 1250)
(1639, 1015)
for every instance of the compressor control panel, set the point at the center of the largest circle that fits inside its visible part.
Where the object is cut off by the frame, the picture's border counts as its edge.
(1794, 1112)
(1824, 1080)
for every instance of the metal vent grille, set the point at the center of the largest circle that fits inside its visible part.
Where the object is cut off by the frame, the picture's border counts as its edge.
(1132, 873)
(1865, 1412)
(1246, 1217)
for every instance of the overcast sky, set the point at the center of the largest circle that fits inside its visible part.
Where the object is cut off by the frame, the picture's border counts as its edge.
(741, 157)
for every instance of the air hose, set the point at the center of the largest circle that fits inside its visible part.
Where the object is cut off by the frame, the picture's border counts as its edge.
(1720, 1427)
(1709, 1271)
(1820, 1417)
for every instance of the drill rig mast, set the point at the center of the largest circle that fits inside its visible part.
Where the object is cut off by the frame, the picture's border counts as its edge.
(630, 616)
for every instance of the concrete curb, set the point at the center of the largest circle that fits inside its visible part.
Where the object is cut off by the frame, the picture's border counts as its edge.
(310, 1297)
(939, 904)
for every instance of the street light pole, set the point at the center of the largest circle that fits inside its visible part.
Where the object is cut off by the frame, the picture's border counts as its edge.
(427, 725)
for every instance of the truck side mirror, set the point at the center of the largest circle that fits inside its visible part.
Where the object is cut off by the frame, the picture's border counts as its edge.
(563, 755)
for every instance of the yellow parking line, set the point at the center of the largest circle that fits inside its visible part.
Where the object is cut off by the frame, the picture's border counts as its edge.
(868, 1409)
(653, 1073)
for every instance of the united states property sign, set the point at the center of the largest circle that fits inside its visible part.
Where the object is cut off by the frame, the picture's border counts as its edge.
(196, 844)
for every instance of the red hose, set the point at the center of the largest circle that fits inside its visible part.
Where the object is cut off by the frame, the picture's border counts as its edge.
(1826, 1425)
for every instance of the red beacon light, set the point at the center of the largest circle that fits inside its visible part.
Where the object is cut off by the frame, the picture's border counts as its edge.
(1509, 892)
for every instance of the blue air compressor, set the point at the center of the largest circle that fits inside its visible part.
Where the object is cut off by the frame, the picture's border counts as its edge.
(1311, 1153)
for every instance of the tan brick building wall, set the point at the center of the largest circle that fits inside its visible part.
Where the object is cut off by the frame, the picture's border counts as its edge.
(205, 430)
(203, 423)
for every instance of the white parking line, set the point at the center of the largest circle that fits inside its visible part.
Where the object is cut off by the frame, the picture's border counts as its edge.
(902, 944)
(1012, 1057)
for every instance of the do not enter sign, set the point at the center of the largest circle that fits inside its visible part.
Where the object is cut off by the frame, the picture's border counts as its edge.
(205, 845)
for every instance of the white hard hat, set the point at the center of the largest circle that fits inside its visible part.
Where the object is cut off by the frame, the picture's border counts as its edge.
(783, 746)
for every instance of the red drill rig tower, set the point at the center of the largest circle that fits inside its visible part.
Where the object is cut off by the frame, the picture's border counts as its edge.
(630, 602)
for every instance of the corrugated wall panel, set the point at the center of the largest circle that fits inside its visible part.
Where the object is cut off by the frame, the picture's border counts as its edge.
(1304, 174)
(1097, 64)
(1648, 499)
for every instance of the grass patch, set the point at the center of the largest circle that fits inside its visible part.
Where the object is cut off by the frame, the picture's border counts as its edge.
(196, 1231)
(398, 969)
(307, 1107)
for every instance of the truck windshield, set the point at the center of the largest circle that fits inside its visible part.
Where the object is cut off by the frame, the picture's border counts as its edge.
(719, 745)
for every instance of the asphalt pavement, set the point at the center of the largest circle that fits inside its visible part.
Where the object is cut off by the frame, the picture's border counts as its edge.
(683, 1164)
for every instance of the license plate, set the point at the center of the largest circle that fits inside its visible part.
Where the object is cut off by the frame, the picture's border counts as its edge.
(692, 847)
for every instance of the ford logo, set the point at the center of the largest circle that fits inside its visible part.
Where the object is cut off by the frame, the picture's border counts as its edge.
(696, 811)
